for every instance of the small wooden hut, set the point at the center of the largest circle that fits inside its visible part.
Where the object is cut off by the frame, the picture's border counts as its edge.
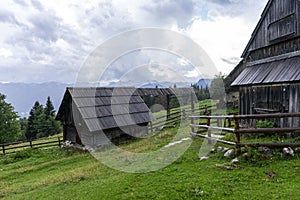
(93, 117)
(270, 82)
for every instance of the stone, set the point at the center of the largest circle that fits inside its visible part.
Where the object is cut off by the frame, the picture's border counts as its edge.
(229, 152)
(288, 152)
(213, 151)
(220, 149)
(265, 150)
(245, 155)
(234, 161)
(204, 158)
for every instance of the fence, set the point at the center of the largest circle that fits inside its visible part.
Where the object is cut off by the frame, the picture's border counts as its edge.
(239, 129)
(13, 147)
(175, 116)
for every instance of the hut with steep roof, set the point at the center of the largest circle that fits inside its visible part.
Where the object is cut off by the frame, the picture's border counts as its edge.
(270, 82)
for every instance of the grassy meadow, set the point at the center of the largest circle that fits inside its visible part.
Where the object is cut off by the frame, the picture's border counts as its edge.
(72, 174)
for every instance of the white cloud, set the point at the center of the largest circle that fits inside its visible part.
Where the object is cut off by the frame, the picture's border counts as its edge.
(5, 53)
(51, 39)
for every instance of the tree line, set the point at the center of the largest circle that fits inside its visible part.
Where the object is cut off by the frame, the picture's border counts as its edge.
(40, 123)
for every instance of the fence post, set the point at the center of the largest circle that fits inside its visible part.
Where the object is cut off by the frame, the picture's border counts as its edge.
(192, 103)
(184, 114)
(237, 137)
(168, 107)
(59, 142)
(30, 143)
(3, 149)
(151, 127)
(192, 122)
(208, 130)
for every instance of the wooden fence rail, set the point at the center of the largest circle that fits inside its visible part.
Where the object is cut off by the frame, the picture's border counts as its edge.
(175, 116)
(238, 129)
(7, 147)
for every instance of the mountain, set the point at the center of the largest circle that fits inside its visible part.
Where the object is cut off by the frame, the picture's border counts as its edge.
(23, 95)
(203, 82)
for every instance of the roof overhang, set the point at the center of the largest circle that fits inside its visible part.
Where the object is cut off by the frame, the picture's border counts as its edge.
(276, 71)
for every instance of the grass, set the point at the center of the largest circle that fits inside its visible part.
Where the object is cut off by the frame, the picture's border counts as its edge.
(71, 174)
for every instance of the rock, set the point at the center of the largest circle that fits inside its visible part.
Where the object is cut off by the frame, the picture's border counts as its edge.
(288, 152)
(203, 158)
(245, 155)
(222, 149)
(229, 152)
(265, 150)
(234, 161)
(219, 149)
(213, 151)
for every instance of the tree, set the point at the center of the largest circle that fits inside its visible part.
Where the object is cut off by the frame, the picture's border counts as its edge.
(32, 125)
(52, 126)
(10, 128)
(217, 89)
(41, 122)
(49, 109)
(23, 122)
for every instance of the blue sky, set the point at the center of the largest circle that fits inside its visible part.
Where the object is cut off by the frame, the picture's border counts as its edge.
(44, 41)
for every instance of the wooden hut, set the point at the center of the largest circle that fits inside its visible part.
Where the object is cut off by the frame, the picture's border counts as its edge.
(95, 116)
(271, 80)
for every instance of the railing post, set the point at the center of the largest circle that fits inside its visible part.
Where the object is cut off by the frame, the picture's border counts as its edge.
(192, 104)
(208, 130)
(151, 127)
(192, 122)
(237, 137)
(3, 149)
(59, 142)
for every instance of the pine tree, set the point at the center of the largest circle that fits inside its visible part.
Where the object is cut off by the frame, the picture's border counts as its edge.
(32, 125)
(41, 122)
(10, 128)
(49, 109)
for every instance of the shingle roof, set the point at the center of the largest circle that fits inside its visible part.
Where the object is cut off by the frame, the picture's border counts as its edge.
(280, 71)
(106, 108)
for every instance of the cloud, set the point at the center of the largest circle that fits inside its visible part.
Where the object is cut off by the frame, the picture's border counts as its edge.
(37, 5)
(179, 12)
(21, 3)
(234, 8)
(49, 40)
(8, 17)
(5, 53)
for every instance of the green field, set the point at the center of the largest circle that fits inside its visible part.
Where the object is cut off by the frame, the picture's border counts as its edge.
(72, 174)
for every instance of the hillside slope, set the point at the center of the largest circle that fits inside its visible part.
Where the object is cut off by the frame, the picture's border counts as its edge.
(68, 174)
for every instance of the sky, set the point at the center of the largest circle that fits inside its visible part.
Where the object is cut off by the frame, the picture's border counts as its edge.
(46, 41)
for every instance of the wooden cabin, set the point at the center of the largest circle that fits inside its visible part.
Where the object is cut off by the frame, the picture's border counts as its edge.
(270, 82)
(94, 117)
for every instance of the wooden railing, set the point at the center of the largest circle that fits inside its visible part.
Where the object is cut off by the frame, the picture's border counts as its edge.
(9, 148)
(175, 116)
(198, 126)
